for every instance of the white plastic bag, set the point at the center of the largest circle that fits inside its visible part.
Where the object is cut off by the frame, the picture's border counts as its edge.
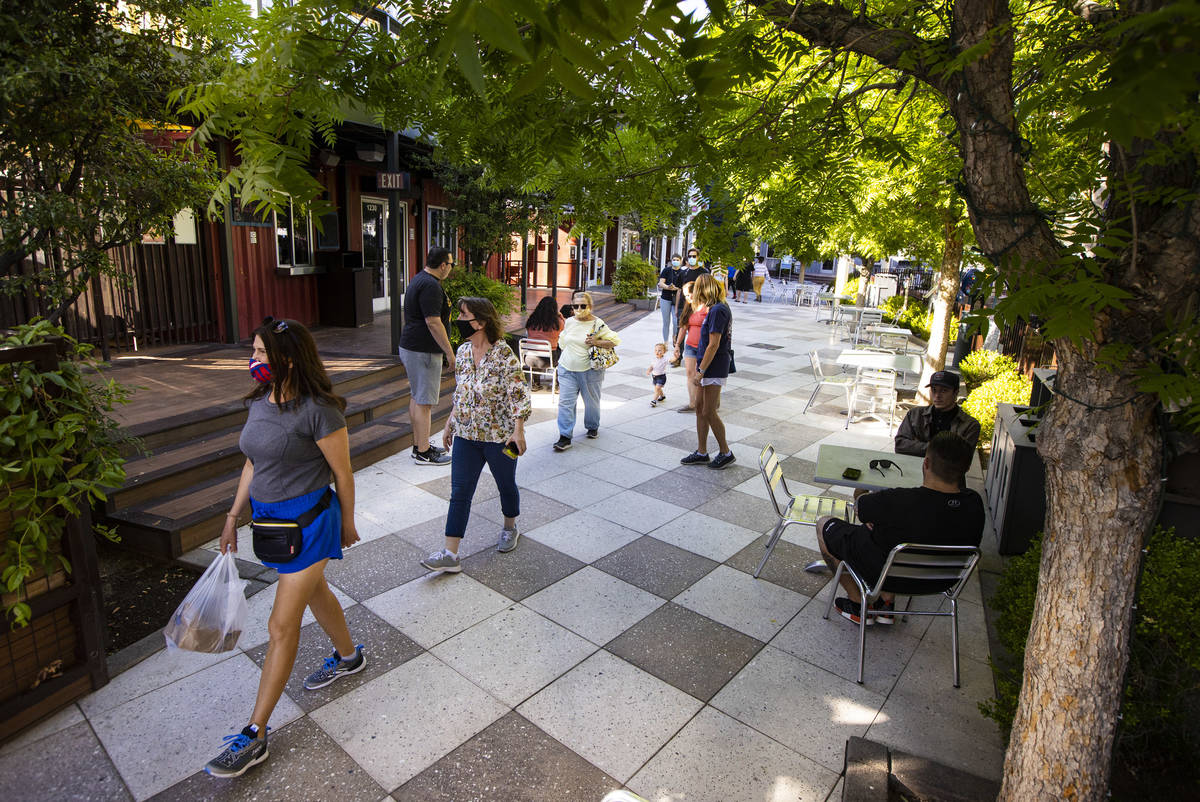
(212, 615)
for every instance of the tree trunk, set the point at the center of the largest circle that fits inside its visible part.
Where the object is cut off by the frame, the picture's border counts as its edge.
(945, 291)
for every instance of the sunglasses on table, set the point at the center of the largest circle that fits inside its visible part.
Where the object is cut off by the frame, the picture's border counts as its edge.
(882, 465)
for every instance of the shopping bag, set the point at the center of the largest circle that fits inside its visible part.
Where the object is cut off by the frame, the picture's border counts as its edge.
(212, 615)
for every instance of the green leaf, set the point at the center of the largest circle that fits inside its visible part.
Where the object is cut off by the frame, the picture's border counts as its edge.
(501, 32)
(467, 54)
(570, 78)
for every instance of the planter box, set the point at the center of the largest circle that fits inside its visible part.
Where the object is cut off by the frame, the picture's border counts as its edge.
(644, 304)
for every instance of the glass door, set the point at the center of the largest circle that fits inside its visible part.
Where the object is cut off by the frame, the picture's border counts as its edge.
(375, 251)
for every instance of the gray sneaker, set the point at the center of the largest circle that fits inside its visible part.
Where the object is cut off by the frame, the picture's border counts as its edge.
(335, 668)
(508, 540)
(443, 561)
(242, 750)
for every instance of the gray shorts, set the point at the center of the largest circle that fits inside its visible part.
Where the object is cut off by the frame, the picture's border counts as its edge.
(424, 375)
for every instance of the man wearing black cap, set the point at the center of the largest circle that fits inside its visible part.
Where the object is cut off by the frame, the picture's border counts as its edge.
(943, 415)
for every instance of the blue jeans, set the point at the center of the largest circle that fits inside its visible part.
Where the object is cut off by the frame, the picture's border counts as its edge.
(670, 322)
(572, 384)
(466, 463)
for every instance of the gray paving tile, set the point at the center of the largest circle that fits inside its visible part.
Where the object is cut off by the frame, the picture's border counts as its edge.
(369, 569)
(521, 572)
(408, 719)
(753, 606)
(431, 608)
(482, 531)
(786, 566)
(710, 537)
(801, 706)
(685, 486)
(68, 765)
(536, 510)
(512, 759)
(593, 604)
(484, 490)
(613, 714)
(385, 648)
(656, 566)
(742, 398)
(305, 765)
(629, 391)
(730, 475)
(625, 472)
(636, 511)
(694, 653)
(717, 759)
(744, 510)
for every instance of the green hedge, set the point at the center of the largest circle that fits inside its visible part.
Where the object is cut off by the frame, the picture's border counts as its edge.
(470, 284)
(981, 366)
(1009, 388)
(1160, 714)
(633, 276)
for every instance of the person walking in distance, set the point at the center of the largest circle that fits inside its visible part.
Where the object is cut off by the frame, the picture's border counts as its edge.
(423, 343)
(295, 441)
(759, 277)
(667, 289)
(486, 426)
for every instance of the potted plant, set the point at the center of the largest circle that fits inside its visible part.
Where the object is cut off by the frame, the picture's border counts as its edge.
(59, 450)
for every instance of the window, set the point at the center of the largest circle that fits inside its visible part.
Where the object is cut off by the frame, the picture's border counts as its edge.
(293, 238)
(442, 232)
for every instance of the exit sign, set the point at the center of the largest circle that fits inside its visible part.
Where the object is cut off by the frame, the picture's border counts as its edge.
(392, 180)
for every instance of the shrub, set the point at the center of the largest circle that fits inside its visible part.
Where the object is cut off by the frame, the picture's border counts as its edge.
(470, 284)
(851, 286)
(983, 365)
(59, 450)
(1159, 724)
(633, 276)
(1009, 388)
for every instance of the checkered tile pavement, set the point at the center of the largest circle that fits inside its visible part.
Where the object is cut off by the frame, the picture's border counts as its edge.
(624, 643)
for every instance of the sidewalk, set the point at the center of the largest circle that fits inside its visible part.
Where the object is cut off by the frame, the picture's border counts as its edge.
(623, 643)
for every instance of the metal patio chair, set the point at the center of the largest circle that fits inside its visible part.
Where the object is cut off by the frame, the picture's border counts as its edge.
(845, 382)
(793, 509)
(540, 348)
(913, 569)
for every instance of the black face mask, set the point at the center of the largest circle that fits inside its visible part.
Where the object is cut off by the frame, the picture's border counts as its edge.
(465, 329)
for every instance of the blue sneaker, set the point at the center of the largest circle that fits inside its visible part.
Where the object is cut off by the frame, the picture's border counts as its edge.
(335, 668)
(242, 750)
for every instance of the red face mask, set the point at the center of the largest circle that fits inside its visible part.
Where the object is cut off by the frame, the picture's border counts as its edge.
(261, 371)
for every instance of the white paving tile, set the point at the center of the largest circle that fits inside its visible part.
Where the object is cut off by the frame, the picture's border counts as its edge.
(157, 670)
(736, 599)
(611, 713)
(799, 705)
(704, 535)
(584, 536)
(184, 722)
(748, 766)
(593, 604)
(401, 508)
(636, 511)
(582, 491)
(402, 722)
(513, 654)
(431, 608)
(659, 455)
(624, 471)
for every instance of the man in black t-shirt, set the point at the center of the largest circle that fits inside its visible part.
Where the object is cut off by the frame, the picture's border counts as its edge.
(937, 512)
(943, 415)
(666, 299)
(423, 342)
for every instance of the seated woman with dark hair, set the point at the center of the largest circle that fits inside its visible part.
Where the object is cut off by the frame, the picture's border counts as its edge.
(545, 323)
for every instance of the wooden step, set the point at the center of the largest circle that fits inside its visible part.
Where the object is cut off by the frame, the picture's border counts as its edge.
(168, 524)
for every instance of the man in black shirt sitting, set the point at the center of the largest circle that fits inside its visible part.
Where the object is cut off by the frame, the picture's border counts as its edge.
(937, 512)
(943, 415)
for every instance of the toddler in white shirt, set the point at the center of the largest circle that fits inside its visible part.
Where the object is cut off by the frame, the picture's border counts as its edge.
(658, 373)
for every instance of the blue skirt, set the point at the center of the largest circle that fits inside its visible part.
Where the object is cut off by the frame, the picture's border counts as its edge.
(322, 537)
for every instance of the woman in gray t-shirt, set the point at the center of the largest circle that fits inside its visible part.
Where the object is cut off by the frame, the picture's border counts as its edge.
(295, 441)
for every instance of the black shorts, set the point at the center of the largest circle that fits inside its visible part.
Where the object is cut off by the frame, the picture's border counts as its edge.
(852, 543)
(660, 380)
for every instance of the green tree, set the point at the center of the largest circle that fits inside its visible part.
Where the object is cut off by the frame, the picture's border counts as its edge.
(83, 94)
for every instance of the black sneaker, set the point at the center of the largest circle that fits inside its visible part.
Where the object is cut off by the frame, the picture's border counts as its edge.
(695, 458)
(851, 611)
(593, 434)
(335, 668)
(242, 750)
(882, 606)
(721, 461)
(563, 443)
(430, 457)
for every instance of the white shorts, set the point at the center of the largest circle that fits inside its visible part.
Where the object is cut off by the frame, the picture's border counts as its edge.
(712, 382)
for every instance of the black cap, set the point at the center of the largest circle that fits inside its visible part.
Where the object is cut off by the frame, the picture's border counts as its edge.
(944, 378)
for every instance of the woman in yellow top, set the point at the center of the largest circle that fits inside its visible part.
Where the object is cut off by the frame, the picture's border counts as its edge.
(582, 332)
(486, 425)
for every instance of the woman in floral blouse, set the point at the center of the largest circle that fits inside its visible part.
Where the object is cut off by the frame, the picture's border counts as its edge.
(486, 425)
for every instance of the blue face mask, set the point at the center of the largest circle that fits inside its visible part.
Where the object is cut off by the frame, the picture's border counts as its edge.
(692, 261)
(676, 262)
